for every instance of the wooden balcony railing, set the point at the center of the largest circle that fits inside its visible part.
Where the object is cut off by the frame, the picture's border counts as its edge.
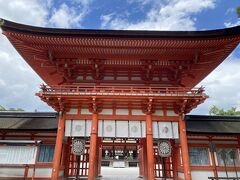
(121, 90)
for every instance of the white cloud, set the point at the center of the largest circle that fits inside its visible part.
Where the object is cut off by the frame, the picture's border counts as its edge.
(232, 24)
(222, 86)
(18, 82)
(164, 15)
(31, 12)
(67, 16)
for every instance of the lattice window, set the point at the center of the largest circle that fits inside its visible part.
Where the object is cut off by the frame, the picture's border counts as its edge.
(229, 156)
(46, 153)
(199, 156)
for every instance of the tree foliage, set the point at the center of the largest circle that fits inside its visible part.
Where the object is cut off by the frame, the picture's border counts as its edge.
(2, 108)
(238, 11)
(214, 110)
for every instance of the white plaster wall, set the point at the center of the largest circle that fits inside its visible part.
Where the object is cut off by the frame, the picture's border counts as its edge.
(11, 172)
(137, 112)
(72, 111)
(136, 78)
(41, 172)
(122, 111)
(158, 113)
(171, 113)
(181, 175)
(108, 78)
(122, 78)
(122, 129)
(89, 78)
(85, 111)
(19, 172)
(106, 112)
(230, 174)
(201, 175)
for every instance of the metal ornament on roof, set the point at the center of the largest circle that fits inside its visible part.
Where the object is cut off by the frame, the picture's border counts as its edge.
(78, 146)
(164, 148)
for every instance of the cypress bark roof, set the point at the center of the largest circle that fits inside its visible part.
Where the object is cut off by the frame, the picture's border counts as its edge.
(48, 121)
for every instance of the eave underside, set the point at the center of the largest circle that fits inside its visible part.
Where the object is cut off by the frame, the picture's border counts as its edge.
(153, 58)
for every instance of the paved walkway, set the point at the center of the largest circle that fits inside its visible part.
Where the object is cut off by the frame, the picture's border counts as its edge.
(109, 173)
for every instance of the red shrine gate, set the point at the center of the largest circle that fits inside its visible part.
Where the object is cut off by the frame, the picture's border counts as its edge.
(121, 84)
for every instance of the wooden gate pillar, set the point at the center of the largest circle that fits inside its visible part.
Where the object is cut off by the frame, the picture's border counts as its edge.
(100, 157)
(141, 159)
(145, 157)
(184, 148)
(150, 152)
(93, 148)
(175, 155)
(58, 147)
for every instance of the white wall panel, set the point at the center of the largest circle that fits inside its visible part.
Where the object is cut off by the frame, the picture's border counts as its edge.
(158, 113)
(106, 111)
(100, 128)
(143, 123)
(72, 111)
(108, 78)
(122, 111)
(18, 154)
(122, 129)
(201, 175)
(155, 129)
(230, 174)
(171, 113)
(181, 175)
(175, 130)
(109, 128)
(85, 111)
(137, 112)
(88, 127)
(135, 129)
(165, 130)
(78, 128)
(11, 172)
(68, 128)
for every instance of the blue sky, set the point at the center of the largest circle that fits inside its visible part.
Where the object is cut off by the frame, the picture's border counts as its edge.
(18, 82)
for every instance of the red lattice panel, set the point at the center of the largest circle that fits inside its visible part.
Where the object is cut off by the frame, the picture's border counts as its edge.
(78, 166)
(163, 167)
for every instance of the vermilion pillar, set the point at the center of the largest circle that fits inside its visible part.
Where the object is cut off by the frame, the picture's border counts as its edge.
(58, 147)
(93, 148)
(175, 161)
(145, 157)
(150, 157)
(100, 158)
(184, 148)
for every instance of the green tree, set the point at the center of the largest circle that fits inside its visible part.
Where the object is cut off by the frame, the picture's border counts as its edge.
(10, 109)
(214, 110)
(238, 11)
(2, 108)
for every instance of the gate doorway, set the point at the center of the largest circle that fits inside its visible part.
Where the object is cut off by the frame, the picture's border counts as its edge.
(163, 166)
(76, 166)
(120, 158)
(117, 158)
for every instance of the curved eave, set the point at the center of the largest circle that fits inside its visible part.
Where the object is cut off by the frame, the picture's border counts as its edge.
(16, 27)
